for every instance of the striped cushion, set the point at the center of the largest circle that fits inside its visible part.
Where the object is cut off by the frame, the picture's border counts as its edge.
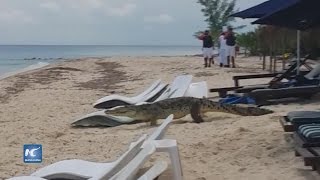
(310, 131)
(304, 116)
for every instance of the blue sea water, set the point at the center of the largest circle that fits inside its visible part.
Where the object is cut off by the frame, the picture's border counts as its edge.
(17, 57)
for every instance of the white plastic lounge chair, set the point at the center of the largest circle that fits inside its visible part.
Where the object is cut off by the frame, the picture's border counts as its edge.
(80, 169)
(197, 90)
(155, 171)
(129, 172)
(117, 100)
(178, 87)
(100, 118)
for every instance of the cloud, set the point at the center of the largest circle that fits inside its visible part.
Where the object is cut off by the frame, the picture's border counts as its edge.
(50, 5)
(14, 16)
(99, 21)
(83, 4)
(123, 10)
(89, 7)
(147, 28)
(161, 19)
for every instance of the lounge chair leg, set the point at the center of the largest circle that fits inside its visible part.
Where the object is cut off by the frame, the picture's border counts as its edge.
(176, 163)
(172, 149)
(222, 94)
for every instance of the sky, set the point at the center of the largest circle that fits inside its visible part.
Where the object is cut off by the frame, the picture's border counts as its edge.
(105, 22)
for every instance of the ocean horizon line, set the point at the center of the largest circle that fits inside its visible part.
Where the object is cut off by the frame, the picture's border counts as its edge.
(128, 45)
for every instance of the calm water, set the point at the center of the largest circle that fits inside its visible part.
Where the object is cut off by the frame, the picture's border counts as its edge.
(17, 57)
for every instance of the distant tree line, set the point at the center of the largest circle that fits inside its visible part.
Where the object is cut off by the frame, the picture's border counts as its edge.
(271, 40)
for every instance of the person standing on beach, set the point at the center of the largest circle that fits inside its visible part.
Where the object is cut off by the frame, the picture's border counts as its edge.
(231, 50)
(222, 50)
(207, 48)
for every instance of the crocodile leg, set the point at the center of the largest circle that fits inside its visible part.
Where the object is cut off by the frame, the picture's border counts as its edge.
(195, 112)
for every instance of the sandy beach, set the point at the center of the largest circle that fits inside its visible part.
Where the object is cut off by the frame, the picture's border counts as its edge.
(38, 106)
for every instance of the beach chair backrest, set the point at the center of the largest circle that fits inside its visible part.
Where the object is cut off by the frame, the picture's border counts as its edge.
(160, 131)
(142, 95)
(197, 90)
(178, 87)
(130, 170)
(155, 93)
(313, 73)
(124, 159)
(130, 100)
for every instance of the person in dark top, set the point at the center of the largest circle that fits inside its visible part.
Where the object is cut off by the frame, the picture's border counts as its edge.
(231, 43)
(207, 48)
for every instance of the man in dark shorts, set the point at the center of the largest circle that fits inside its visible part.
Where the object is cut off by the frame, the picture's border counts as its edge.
(207, 48)
(231, 49)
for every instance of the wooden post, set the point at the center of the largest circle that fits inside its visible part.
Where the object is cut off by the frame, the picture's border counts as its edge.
(275, 64)
(264, 62)
(283, 63)
(270, 63)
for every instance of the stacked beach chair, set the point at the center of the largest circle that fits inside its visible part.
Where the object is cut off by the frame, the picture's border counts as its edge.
(305, 126)
(181, 86)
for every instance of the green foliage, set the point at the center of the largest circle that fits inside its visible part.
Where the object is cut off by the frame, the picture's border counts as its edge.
(249, 42)
(217, 14)
(275, 40)
(271, 40)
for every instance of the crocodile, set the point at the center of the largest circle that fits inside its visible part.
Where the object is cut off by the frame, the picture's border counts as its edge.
(181, 107)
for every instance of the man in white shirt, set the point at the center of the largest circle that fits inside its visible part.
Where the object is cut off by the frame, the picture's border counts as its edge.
(222, 50)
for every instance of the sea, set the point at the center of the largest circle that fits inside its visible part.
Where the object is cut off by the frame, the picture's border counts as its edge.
(19, 58)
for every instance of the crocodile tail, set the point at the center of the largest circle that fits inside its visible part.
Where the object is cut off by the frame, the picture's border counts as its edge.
(245, 110)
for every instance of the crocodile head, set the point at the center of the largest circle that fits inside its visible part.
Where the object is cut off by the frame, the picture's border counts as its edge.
(129, 111)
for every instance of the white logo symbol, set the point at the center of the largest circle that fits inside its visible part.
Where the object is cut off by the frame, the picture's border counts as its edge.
(31, 152)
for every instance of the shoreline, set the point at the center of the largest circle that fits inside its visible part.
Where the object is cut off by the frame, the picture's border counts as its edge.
(40, 64)
(32, 67)
(38, 107)
(17, 57)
